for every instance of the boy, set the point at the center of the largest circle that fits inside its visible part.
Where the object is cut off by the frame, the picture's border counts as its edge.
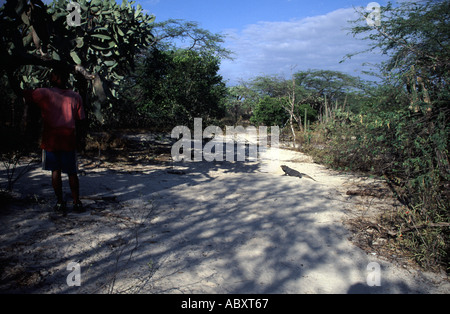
(61, 108)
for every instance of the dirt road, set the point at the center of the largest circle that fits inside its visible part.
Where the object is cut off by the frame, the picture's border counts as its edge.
(207, 227)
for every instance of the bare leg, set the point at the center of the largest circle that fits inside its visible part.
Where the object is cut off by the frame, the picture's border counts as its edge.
(75, 188)
(57, 185)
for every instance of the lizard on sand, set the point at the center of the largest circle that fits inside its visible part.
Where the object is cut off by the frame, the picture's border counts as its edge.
(294, 173)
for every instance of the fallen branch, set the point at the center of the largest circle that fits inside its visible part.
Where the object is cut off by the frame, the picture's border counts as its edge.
(112, 215)
(426, 225)
(378, 194)
(393, 233)
(366, 224)
(100, 198)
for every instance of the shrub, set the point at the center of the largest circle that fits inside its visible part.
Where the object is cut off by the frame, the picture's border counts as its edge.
(410, 150)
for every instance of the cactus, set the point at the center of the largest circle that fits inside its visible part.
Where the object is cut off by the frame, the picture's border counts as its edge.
(36, 37)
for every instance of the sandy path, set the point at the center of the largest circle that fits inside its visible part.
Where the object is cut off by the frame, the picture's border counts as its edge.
(221, 227)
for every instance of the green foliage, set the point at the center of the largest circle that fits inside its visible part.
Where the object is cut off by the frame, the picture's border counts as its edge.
(274, 100)
(173, 87)
(239, 104)
(269, 111)
(334, 85)
(36, 37)
(410, 150)
(401, 131)
(311, 113)
(174, 81)
(415, 37)
(172, 33)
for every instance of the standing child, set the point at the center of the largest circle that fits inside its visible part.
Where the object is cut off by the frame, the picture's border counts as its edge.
(60, 109)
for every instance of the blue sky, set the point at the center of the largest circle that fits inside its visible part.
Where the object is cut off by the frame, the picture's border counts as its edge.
(218, 16)
(270, 37)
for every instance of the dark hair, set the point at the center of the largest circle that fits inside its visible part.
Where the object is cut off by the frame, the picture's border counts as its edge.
(61, 74)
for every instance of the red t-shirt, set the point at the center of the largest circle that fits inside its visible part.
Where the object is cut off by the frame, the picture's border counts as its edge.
(60, 109)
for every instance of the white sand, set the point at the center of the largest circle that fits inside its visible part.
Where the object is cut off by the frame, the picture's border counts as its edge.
(223, 227)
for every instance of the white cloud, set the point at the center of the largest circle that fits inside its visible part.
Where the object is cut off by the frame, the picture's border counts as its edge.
(318, 42)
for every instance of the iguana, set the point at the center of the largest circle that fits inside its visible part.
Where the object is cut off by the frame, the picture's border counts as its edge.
(294, 173)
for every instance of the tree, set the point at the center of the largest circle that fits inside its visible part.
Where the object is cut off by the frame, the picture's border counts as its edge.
(274, 93)
(405, 134)
(269, 111)
(173, 32)
(177, 80)
(328, 88)
(180, 85)
(36, 37)
(291, 97)
(234, 103)
(415, 36)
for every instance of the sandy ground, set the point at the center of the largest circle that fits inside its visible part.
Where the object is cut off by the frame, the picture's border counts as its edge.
(207, 227)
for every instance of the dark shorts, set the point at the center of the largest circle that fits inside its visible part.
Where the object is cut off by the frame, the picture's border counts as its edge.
(64, 161)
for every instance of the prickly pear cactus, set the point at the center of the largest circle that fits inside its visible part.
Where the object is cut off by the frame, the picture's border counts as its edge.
(95, 40)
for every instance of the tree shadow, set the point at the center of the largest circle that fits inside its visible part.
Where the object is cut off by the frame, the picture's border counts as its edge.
(221, 227)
